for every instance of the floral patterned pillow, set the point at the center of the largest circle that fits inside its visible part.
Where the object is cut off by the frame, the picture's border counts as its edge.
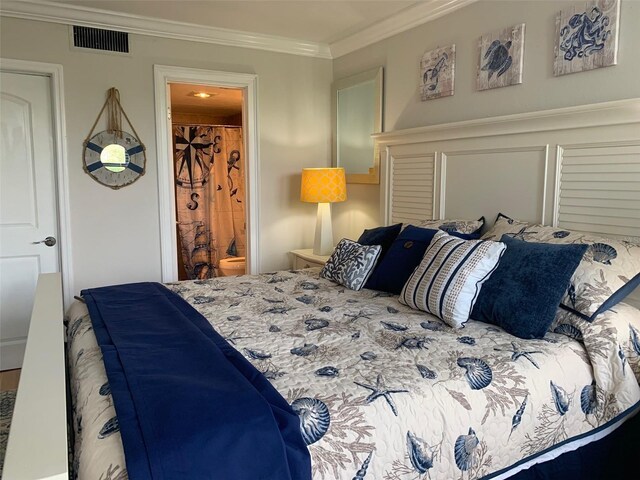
(608, 272)
(451, 226)
(351, 264)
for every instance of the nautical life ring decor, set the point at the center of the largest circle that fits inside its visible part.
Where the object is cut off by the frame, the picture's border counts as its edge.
(114, 158)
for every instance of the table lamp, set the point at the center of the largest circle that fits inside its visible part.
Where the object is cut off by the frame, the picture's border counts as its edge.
(323, 186)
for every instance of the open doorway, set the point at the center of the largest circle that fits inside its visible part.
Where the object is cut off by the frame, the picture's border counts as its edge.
(164, 76)
(209, 178)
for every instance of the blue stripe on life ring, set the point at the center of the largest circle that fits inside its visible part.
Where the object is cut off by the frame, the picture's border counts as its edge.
(135, 168)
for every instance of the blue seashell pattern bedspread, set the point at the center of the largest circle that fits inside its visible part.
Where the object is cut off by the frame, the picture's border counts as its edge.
(383, 391)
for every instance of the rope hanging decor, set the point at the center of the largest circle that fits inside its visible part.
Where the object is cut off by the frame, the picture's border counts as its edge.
(114, 157)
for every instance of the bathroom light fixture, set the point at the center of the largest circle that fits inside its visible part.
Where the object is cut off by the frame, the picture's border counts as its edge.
(201, 94)
(323, 186)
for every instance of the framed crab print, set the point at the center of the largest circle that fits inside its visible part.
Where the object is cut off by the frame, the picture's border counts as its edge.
(437, 70)
(501, 58)
(587, 37)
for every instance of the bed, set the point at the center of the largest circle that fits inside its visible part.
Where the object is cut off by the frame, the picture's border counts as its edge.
(387, 392)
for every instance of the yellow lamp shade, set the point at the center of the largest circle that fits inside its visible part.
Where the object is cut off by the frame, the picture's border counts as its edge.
(323, 185)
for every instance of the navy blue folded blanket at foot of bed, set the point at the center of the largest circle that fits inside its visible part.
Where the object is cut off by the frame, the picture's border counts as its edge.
(189, 405)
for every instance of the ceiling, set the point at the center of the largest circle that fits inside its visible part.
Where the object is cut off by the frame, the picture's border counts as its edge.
(224, 101)
(318, 28)
(319, 21)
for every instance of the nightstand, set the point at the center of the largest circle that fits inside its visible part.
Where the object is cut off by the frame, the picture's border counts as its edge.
(306, 259)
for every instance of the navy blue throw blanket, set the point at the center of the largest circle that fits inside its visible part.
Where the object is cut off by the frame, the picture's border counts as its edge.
(189, 405)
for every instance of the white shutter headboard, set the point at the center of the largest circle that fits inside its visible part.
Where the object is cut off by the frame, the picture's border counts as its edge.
(577, 167)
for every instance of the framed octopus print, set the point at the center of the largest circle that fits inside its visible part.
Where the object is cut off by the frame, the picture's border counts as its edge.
(501, 58)
(587, 37)
(437, 70)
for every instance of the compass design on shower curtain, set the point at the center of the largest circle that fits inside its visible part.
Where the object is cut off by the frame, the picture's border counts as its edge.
(193, 155)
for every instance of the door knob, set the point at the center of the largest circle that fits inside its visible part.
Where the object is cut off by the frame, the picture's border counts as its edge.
(49, 241)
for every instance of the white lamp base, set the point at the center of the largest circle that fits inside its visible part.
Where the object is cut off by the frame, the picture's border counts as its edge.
(323, 244)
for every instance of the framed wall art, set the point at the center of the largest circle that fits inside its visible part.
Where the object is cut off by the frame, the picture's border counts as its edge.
(501, 58)
(437, 73)
(587, 37)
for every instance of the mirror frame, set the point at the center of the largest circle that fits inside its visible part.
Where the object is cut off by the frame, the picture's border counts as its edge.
(377, 74)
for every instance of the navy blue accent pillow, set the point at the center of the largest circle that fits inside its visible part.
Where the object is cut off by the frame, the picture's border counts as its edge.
(383, 236)
(403, 257)
(524, 292)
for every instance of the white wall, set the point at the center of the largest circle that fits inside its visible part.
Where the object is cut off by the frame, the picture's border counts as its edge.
(294, 116)
(400, 56)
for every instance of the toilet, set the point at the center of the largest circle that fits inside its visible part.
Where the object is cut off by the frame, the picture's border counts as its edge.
(231, 266)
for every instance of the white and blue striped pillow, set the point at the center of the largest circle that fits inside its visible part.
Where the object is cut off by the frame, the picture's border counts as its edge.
(450, 275)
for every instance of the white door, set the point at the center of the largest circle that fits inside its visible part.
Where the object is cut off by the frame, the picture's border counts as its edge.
(27, 205)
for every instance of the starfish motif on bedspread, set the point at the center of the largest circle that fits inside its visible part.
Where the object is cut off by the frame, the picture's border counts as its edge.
(380, 390)
(516, 353)
(233, 337)
(356, 316)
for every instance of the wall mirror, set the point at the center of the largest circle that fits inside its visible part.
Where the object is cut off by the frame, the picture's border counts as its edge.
(357, 113)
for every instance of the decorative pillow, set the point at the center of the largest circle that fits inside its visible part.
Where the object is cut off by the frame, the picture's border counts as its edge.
(524, 292)
(350, 264)
(608, 272)
(403, 257)
(383, 236)
(455, 226)
(449, 277)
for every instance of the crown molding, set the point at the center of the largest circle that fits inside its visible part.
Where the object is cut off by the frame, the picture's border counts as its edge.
(67, 14)
(402, 21)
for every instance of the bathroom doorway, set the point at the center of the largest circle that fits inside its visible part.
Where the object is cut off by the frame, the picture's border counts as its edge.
(209, 172)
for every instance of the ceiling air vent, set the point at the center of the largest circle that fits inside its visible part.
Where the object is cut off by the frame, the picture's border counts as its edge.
(99, 39)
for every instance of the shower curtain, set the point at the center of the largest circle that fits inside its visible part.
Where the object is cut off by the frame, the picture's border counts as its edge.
(209, 169)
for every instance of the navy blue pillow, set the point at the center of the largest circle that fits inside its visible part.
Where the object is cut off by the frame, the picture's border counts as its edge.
(523, 294)
(403, 257)
(383, 236)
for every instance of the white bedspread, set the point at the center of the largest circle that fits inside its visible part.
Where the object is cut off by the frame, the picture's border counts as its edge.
(383, 391)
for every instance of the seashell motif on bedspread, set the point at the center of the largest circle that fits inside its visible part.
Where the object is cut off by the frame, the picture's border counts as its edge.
(517, 418)
(257, 354)
(478, 373)
(112, 426)
(362, 471)
(380, 389)
(588, 398)
(560, 398)
(328, 371)
(602, 253)
(464, 450)
(421, 454)
(426, 372)
(316, 323)
(314, 418)
(368, 356)
(569, 330)
(105, 389)
(305, 350)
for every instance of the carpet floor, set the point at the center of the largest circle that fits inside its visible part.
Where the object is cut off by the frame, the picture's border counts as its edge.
(7, 401)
